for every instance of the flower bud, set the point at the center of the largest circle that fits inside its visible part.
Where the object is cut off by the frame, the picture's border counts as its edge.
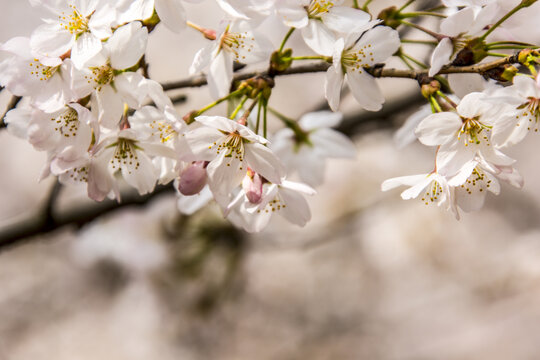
(390, 16)
(502, 73)
(253, 187)
(430, 89)
(190, 117)
(526, 3)
(193, 178)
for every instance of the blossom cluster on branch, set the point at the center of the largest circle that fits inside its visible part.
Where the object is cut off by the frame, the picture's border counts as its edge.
(90, 104)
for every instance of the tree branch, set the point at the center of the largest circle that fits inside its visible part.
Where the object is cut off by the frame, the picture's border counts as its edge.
(13, 102)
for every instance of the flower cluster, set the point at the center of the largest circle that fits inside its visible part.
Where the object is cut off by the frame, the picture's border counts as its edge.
(89, 103)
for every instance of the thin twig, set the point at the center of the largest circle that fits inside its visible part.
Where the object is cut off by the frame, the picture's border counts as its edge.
(13, 102)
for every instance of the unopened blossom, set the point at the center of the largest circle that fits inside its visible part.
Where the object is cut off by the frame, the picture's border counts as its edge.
(352, 57)
(286, 199)
(231, 148)
(76, 27)
(321, 20)
(306, 148)
(462, 135)
(23, 74)
(236, 42)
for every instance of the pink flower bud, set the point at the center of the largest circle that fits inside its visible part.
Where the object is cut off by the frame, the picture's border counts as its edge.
(253, 187)
(193, 178)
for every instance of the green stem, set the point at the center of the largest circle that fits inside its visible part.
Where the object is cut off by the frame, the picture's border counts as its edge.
(355, 4)
(435, 105)
(507, 47)
(258, 116)
(496, 54)
(287, 36)
(219, 101)
(417, 62)
(421, 13)
(265, 118)
(406, 62)
(447, 99)
(314, 57)
(405, 5)
(424, 42)
(501, 20)
(365, 6)
(439, 37)
(235, 112)
(511, 43)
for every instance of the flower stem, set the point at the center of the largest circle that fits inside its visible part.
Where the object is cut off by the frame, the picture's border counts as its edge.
(417, 62)
(434, 104)
(258, 116)
(422, 13)
(496, 54)
(501, 20)
(239, 107)
(287, 36)
(405, 5)
(439, 37)
(314, 57)
(265, 118)
(219, 101)
(447, 99)
(365, 6)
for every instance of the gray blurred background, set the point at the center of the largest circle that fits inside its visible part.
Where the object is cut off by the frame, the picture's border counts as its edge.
(370, 277)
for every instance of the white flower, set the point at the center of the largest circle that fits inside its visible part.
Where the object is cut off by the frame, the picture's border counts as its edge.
(230, 149)
(78, 26)
(24, 75)
(462, 135)
(237, 42)
(431, 188)
(521, 112)
(109, 87)
(352, 57)
(305, 148)
(285, 199)
(319, 19)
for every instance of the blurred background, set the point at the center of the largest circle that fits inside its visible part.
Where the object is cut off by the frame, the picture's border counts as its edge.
(370, 277)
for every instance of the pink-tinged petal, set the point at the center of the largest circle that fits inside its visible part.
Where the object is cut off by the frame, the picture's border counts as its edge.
(441, 56)
(345, 19)
(263, 161)
(331, 143)
(437, 129)
(381, 42)
(220, 75)
(192, 179)
(458, 23)
(51, 41)
(172, 13)
(319, 37)
(85, 48)
(296, 208)
(188, 205)
(100, 181)
(320, 119)
(365, 89)
(127, 45)
(410, 180)
(140, 173)
(332, 86)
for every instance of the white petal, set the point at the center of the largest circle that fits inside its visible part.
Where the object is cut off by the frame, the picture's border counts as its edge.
(365, 89)
(410, 180)
(50, 40)
(188, 205)
(332, 86)
(458, 23)
(334, 144)
(297, 209)
(263, 161)
(320, 119)
(203, 57)
(141, 173)
(220, 75)
(382, 41)
(441, 56)
(319, 37)
(345, 19)
(85, 48)
(127, 45)
(171, 12)
(437, 129)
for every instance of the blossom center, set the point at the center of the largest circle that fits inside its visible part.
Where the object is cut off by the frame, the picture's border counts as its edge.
(531, 110)
(434, 191)
(474, 132)
(233, 42)
(164, 131)
(74, 22)
(355, 59)
(42, 72)
(318, 7)
(67, 123)
(125, 155)
(233, 145)
(102, 75)
(477, 180)
(273, 206)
